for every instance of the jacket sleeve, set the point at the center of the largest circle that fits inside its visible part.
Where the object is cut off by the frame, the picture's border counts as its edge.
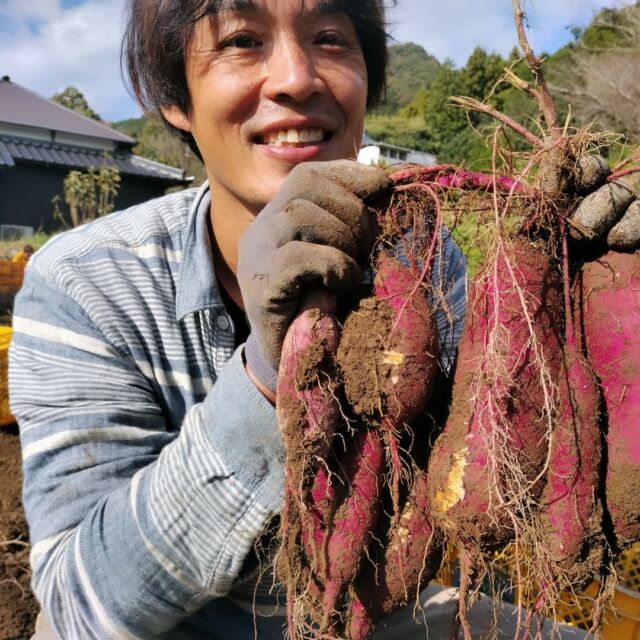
(449, 297)
(133, 527)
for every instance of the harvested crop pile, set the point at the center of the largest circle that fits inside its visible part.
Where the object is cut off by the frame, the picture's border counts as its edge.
(537, 457)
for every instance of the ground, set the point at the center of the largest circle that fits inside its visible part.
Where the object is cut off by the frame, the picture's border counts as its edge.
(18, 608)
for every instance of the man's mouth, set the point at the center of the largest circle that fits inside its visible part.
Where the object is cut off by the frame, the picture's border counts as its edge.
(293, 137)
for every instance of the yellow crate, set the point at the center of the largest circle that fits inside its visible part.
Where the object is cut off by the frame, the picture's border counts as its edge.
(622, 614)
(11, 276)
(5, 413)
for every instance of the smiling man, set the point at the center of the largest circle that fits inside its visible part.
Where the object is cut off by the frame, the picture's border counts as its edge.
(146, 344)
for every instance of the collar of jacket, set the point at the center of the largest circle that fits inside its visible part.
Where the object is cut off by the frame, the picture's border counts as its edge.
(197, 284)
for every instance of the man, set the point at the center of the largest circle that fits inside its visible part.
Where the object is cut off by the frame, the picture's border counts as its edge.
(146, 344)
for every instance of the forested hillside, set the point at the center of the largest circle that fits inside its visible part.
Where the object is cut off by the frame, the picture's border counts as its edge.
(596, 77)
(157, 143)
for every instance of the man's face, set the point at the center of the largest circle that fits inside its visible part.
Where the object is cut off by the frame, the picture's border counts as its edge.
(272, 83)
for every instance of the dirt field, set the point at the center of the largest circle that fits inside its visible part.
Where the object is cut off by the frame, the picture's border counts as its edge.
(18, 608)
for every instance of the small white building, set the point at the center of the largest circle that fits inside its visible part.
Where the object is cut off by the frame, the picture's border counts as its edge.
(372, 152)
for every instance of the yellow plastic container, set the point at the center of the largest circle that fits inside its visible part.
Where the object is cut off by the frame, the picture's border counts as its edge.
(622, 614)
(5, 413)
(11, 276)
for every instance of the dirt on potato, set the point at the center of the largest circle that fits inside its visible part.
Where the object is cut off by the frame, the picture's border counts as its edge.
(365, 333)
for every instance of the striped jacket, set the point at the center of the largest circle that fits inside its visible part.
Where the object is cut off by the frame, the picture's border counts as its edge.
(151, 462)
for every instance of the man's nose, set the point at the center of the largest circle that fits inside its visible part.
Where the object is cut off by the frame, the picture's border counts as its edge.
(292, 72)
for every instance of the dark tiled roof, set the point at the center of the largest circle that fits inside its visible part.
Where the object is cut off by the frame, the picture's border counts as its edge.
(14, 150)
(19, 105)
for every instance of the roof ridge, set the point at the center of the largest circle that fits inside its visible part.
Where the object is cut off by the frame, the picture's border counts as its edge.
(74, 114)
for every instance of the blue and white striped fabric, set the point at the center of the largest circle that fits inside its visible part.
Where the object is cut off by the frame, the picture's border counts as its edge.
(151, 462)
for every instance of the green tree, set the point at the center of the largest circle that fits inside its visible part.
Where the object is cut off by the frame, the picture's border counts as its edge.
(73, 98)
(418, 106)
(482, 73)
(443, 121)
(399, 130)
(88, 195)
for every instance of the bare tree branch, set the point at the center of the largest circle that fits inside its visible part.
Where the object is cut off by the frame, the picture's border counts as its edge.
(545, 101)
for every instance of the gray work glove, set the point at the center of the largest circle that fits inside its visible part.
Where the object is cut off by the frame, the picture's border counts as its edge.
(313, 233)
(609, 211)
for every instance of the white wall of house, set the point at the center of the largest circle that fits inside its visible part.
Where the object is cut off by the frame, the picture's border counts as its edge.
(389, 155)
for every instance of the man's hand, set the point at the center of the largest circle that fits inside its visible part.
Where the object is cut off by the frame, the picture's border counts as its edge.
(315, 231)
(609, 211)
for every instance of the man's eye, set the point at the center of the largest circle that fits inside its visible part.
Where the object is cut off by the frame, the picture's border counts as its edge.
(332, 38)
(241, 41)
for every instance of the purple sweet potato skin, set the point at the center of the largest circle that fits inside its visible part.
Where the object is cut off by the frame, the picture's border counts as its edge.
(571, 513)
(460, 479)
(611, 307)
(411, 557)
(356, 516)
(307, 410)
(308, 415)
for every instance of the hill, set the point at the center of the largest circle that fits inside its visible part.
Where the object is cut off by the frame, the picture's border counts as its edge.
(411, 69)
(157, 142)
(593, 78)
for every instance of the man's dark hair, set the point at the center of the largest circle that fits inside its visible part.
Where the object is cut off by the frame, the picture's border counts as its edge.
(157, 33)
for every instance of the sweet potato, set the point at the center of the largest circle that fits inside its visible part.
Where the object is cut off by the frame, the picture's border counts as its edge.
(350, 532)
(308, 411)
(611, 303)
(400, 565)
(571, 512)
(308, 414)
(388, 348)
(496, 434)
(388, 357)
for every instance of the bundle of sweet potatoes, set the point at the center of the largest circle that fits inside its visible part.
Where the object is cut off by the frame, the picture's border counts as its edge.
(537, 448)
(347, 395)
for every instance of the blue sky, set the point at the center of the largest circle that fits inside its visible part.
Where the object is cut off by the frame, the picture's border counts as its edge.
(47, 45)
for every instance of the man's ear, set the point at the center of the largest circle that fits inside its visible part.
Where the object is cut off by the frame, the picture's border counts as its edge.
(175, 116)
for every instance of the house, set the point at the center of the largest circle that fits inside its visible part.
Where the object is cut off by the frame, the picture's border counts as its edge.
(381, 153)
(41, 141)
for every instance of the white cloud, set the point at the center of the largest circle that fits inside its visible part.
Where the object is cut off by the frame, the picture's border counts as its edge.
(46, 48)
(41, 10)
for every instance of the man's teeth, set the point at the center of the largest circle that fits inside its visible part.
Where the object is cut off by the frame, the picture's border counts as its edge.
(295, 136)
